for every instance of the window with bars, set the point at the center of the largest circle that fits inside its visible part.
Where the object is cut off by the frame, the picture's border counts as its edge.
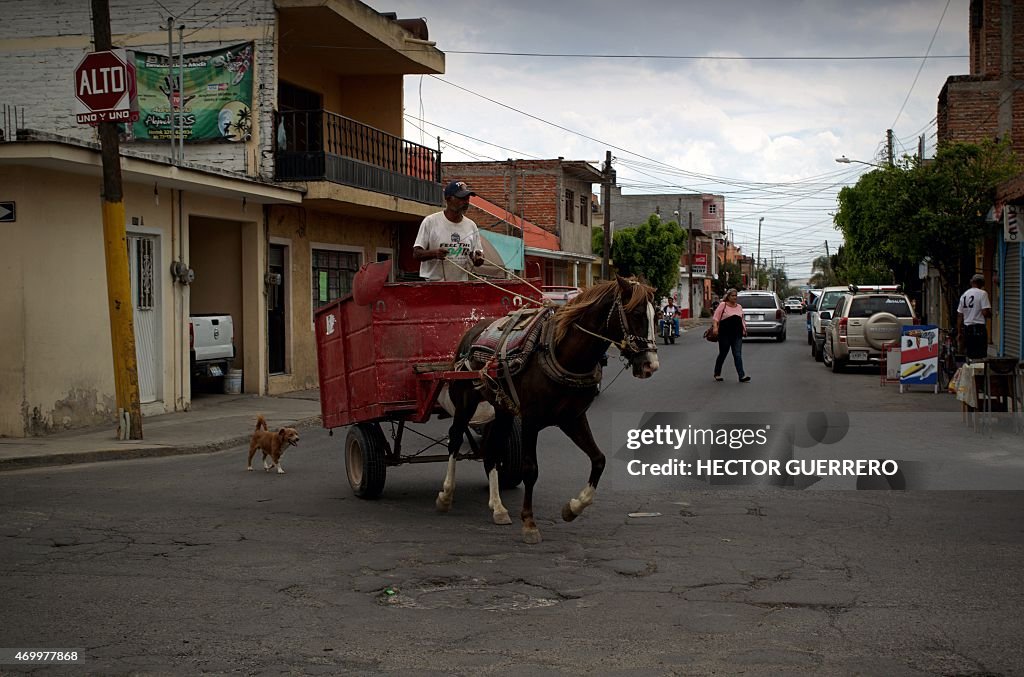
(570, 205)
(712, 209)
(144, 266)
(333, 272)
(584, 200)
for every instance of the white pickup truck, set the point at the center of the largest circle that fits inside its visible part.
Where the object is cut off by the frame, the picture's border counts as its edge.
(211, 342)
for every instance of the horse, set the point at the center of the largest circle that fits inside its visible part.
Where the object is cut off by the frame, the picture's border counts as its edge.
(555, 386)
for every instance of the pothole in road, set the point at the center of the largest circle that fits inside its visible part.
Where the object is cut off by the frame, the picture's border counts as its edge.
(468, 594)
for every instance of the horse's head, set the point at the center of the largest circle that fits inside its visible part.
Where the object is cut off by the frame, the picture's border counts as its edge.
(620, 312)
(635, 302)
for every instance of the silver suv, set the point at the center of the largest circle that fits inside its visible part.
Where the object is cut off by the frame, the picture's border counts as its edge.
(862, 325)
(763, 314)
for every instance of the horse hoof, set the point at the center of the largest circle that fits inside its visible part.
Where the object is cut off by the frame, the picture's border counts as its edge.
(501, 517)
(531, 536)
(441, 504)
(567, 514)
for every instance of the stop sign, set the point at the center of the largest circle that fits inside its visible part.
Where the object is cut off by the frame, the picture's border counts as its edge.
(104, 86)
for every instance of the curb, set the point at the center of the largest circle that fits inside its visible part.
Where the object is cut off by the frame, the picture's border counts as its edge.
(102, 455)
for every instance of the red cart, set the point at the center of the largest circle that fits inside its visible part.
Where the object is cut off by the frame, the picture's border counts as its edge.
(385, 359)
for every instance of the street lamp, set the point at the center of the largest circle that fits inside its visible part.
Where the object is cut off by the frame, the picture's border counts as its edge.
(845, 161)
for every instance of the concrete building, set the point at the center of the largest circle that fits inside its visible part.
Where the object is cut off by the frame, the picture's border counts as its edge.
(705, 213)
(274, 218)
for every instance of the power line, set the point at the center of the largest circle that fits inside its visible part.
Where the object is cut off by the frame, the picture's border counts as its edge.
(677, 57)
(921, 67)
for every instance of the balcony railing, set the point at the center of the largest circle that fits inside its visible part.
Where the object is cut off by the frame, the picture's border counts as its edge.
(317, 145)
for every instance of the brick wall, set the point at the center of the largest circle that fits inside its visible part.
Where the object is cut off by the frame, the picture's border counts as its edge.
(38, 76)
(988, 103)
(528, 188)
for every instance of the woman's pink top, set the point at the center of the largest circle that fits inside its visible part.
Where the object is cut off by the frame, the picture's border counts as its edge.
(724, 310)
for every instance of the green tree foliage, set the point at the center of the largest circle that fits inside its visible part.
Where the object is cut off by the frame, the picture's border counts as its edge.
(650, 251)
(822, 273)
(897, 216)
(730, 276)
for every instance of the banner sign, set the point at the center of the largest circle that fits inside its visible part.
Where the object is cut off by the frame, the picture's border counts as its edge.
(1011, 224)
(215, 98)
(919, 355)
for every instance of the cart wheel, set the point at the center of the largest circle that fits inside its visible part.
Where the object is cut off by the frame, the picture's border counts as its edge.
(510, 465)
(365, 450)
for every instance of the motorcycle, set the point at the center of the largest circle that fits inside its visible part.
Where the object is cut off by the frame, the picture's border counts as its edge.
(667, 330)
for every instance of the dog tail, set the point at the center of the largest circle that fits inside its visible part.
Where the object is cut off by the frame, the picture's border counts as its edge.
(261, 423)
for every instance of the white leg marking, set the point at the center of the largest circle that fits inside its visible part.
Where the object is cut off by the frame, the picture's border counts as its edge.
(578, 504)
(444, 497)
(280, 470)
(498, 512)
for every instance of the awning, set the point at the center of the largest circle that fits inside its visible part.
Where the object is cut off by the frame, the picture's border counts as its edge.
(561, 256)
(506, 249)
(534, 235)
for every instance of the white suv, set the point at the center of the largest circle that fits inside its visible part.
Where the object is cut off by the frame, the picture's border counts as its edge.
(826, 301)
(863, 324)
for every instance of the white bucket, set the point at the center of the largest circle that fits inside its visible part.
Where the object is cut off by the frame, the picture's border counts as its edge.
(233, 382)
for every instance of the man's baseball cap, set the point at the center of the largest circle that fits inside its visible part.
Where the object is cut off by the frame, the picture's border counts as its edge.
(978, 277)
(458, 189)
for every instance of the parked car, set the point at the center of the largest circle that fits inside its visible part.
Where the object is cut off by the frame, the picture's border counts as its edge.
(794, 304)
(763, 314)
(863, 324)
(827, 300)
(560, 295)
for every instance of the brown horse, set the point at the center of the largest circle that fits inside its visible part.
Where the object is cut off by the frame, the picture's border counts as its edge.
(556, 385)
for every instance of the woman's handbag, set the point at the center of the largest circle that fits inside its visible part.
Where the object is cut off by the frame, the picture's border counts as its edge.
(710, 335)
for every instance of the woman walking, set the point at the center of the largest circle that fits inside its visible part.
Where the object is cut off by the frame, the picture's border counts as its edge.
(729, 325)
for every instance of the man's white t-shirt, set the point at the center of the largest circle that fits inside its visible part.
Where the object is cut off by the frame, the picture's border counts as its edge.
(460, 239)
(972, 302)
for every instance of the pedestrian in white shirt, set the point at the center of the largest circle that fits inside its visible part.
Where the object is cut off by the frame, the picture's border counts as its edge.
(449, 237)
(974, 308)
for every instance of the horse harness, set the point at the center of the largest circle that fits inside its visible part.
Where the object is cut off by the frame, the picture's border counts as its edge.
(507, 344)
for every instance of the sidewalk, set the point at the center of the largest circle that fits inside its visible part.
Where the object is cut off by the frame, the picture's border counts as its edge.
(215, 422)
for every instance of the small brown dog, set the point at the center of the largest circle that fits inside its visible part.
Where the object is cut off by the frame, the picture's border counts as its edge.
(271, 444)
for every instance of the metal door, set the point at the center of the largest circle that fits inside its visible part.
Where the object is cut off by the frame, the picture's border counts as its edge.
(276, 327)
(1012, 301)
(143, 255)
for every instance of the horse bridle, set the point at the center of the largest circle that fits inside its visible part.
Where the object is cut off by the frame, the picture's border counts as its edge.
(631, 345)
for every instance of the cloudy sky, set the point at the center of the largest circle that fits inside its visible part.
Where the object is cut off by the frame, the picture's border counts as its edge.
(777, 89)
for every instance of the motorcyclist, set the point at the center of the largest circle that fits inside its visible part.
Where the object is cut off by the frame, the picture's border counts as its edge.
(670, 313)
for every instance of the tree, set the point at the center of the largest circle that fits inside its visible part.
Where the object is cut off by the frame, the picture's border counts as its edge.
(651, 251)
(822, 274)
(895, 217)
(730, 276)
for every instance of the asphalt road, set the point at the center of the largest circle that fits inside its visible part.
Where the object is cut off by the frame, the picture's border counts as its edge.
(190, 565)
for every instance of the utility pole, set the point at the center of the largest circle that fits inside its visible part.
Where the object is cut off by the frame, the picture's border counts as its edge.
(689, 267)
(888, 143)
(609, 180)
(827, 254)
(115, 247)
(757, 261)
